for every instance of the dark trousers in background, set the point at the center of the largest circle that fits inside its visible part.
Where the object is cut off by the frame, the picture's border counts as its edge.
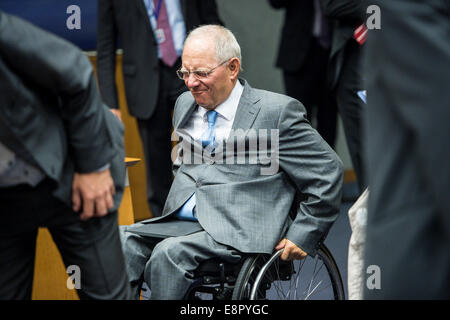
(94, 246)
(351, 107)
(155, 134)
(308, 85)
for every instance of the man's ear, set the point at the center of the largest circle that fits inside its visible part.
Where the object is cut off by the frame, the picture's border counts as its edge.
(234, 66)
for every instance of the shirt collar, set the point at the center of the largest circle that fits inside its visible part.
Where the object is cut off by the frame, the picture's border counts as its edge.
(227, 109)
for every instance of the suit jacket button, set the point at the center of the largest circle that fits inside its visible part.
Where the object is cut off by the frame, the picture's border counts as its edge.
(198, 184)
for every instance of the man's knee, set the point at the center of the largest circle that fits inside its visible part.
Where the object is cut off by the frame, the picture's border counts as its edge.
(136, 250)
(165, 250)
(130, 241)
(125, 239)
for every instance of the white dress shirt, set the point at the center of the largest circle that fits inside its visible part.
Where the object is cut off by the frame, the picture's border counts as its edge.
(14, 171)
(226, 111)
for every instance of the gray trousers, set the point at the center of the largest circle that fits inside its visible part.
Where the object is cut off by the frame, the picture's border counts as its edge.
(167, 265)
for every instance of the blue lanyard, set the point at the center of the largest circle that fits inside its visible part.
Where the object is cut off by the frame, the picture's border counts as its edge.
(158, 8)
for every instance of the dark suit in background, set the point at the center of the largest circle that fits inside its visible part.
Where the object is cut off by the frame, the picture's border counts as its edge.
(408, 73)
(304, 61)
(151, 86)
(346, 77)
(52, 118)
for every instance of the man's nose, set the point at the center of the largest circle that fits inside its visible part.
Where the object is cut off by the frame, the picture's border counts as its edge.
(191, 81)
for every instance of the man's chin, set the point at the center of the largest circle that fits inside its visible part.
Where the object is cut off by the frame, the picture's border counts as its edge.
(201, 102)
(205, 105)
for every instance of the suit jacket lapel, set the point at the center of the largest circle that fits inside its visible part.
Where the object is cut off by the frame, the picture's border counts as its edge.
(143, 10)
(184, 9)
(185, 115)
(248, 108)
(246, 112)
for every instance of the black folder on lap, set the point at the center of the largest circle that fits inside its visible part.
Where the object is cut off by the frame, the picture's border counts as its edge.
(166, 228)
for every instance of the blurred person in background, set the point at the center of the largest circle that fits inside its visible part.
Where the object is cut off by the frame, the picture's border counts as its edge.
(61, 164)
(345, 74)
(408, 227)
(151, 34)
(303, 57)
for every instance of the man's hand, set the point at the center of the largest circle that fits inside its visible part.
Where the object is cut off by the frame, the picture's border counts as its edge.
(117, 113)
(94, 191)
(291, 251)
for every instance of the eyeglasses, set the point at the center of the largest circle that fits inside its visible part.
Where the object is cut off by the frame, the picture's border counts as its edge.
(198, 74)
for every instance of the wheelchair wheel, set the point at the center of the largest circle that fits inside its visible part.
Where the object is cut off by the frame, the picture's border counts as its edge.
(269, 277)
(247, 276)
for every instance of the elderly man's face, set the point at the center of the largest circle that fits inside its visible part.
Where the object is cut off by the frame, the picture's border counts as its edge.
(209, 92)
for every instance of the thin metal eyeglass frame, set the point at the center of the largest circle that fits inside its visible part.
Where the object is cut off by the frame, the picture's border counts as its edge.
(181, 77)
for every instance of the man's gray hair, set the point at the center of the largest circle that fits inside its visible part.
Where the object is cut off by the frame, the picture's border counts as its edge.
(227, 46)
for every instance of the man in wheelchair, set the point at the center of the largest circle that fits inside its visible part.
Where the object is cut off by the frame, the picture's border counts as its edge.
(240, 208)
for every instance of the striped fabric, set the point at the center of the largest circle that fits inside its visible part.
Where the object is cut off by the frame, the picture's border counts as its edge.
(360, 34)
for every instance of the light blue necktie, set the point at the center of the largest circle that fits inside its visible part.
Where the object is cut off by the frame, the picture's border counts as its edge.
(187, 211)
(209, 136)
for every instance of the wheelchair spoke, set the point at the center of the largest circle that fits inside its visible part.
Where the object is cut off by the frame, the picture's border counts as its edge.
(323, 288)
(275, 284)
(301, 263)
(297, 278)
(312, 279)
(319, 269)
(279, 286)
(301, 279)
(311, 292)
(278, 290)
(276, 281)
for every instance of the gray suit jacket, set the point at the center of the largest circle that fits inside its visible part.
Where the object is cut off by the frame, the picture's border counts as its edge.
(51, 114)
(240, 207)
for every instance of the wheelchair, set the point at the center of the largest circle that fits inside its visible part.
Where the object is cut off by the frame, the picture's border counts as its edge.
(262, 276)
(266, 277)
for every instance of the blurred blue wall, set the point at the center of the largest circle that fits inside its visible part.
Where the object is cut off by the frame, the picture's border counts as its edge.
(51, 15)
